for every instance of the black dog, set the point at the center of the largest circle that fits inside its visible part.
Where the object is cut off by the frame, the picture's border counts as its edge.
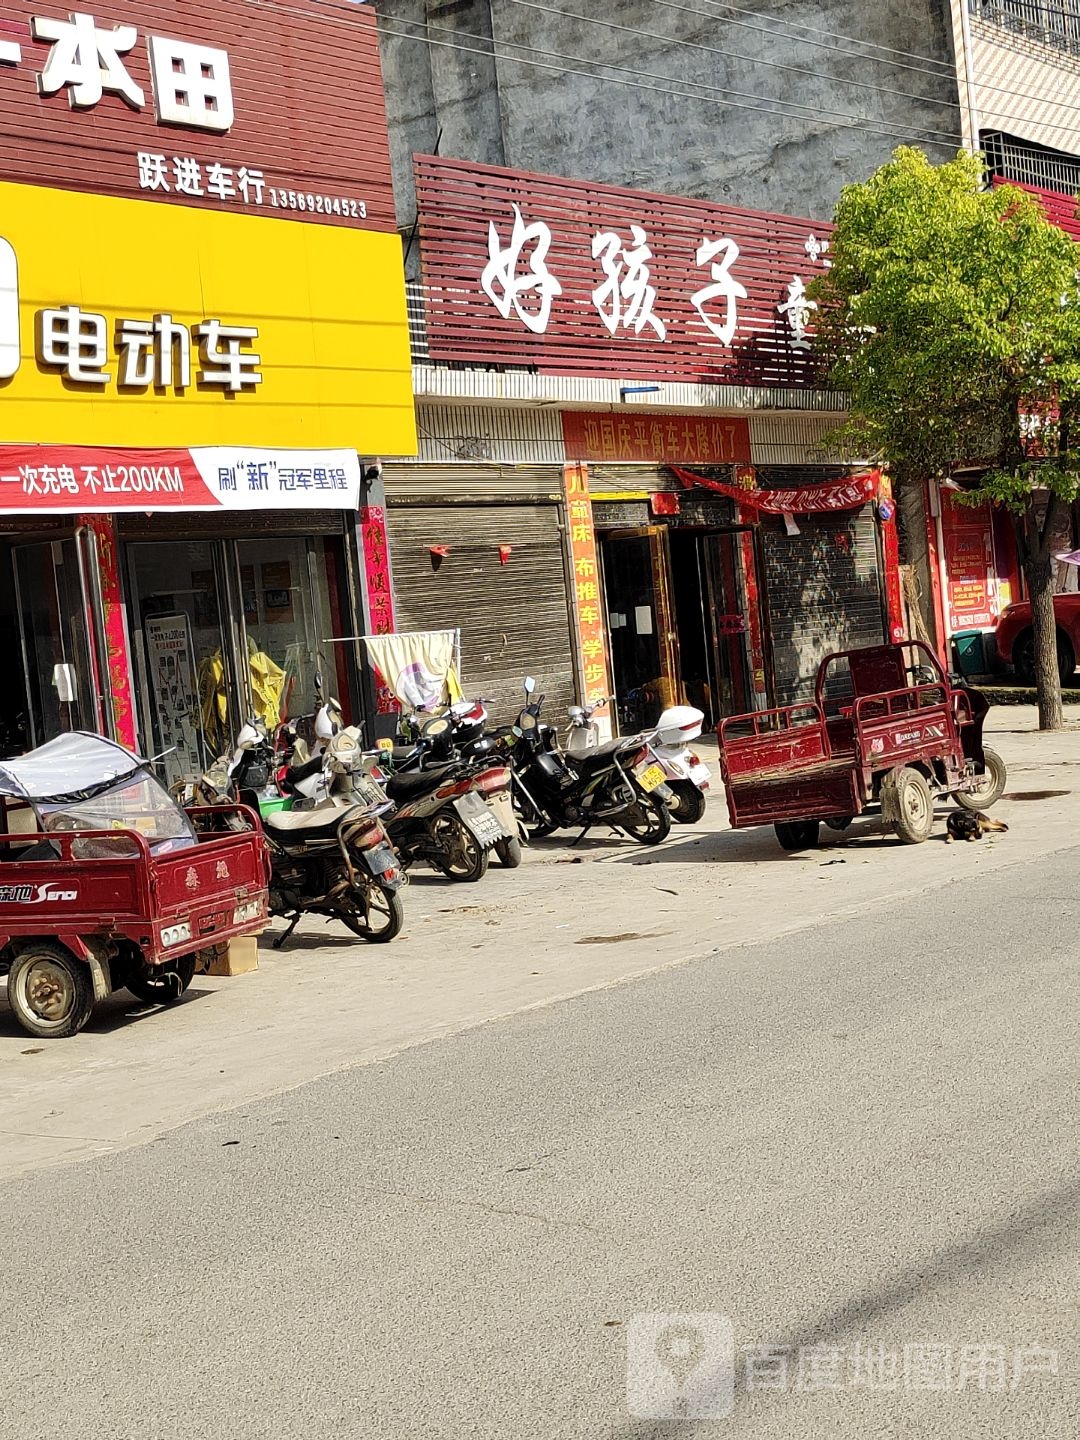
(970, 825)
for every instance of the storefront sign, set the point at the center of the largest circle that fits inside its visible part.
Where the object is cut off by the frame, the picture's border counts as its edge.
(588, 600)
(172, 683)
(185, 103)
(125, 323)
(660, 439)
(848, 494)
(377, 569)
(39, 479)
(969, 562)
(583, 279)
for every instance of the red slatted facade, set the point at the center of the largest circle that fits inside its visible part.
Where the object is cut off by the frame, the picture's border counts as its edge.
(458, 201)
(307, 90)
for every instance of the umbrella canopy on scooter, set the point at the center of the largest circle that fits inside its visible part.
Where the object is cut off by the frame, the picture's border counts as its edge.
(75, 766)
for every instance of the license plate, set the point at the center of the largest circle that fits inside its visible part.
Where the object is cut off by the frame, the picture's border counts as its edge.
(482, 821)
(701, 776)
(650, 778)
(380, 859)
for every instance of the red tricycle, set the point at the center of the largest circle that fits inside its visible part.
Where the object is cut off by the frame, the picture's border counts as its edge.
(886, 726)
(105, 883)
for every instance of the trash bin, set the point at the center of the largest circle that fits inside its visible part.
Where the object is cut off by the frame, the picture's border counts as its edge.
(970, 653)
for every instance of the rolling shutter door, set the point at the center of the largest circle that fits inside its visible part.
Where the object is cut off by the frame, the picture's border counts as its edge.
(514, 618)
(824, 593)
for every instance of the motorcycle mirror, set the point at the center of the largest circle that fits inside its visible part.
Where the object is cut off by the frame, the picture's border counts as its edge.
(530, 684)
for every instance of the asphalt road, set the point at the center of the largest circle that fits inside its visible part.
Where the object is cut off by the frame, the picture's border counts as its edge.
(857, 1143)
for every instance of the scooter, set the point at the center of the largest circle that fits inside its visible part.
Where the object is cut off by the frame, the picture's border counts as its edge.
(617, 784)
(334, 858)
(686, 775)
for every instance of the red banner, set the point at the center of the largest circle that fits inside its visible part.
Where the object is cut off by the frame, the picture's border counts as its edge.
(89, 479)
(656, 438)
(847, 494)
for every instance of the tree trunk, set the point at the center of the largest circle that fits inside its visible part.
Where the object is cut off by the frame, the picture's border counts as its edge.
(1040, 578)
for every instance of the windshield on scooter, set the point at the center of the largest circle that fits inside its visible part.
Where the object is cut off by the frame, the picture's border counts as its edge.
(136, 803)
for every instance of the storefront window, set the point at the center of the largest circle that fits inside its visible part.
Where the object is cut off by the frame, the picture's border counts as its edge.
(53, 630)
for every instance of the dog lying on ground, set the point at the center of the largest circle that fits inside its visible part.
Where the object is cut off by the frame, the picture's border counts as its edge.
(970, 825)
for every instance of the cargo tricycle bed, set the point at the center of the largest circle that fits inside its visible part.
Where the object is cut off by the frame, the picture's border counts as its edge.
(105, 883)
(886, 727)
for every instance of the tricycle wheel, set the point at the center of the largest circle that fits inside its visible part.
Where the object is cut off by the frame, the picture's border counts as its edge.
(798, 834)
(378, 917)
(912, 806)
(162, 984)
(991, 785)
(50, 992)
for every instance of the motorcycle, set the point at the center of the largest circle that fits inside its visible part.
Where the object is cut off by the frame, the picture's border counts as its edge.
(331, 858)
(443, 814)
(686, 775)
(618, 784)
(469, 738)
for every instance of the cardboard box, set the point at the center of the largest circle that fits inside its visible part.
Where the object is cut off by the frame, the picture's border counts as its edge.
(237, 957)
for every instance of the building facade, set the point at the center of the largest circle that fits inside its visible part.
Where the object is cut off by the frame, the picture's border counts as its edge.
(202, 332)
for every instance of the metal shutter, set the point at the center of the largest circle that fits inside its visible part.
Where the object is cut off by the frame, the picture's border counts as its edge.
(824, 593)
(514, 619)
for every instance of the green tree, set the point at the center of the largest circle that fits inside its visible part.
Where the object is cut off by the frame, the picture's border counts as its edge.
(951, 318)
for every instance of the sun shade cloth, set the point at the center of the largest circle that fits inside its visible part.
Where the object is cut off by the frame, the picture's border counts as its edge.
(73, 766)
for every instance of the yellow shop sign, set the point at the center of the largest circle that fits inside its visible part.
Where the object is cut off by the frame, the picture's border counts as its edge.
(128, 323)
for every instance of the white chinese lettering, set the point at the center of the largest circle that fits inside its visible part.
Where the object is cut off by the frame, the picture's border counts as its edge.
(187, 174)
(152, 172)
(502, 284)
(627, 273)
(76, 342)
(10, 52)
(251, 185)
(223, 362)
(154, 352)
(724, 287)
(219, 181)
(86, 58)
(798, 309)
(192, 85)
(816, 248)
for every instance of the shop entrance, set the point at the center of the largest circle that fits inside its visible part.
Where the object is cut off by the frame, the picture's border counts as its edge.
(679, 620)
(48, 685)
(224, 630)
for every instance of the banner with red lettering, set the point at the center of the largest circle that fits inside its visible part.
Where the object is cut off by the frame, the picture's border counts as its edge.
(88, 479)
(846, 494)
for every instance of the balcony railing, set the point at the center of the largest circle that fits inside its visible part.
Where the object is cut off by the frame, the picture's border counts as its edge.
(1056, 23)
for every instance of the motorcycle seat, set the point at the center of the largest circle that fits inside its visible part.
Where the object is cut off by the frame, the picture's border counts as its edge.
(321, 824)
(306, 768)
(598, 755)
(407, 784)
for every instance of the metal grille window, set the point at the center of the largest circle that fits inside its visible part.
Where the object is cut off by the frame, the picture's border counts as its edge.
(1054, 22)
(1028, 164)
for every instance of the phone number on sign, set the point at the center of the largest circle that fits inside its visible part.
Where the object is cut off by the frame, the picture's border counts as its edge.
(317, 204)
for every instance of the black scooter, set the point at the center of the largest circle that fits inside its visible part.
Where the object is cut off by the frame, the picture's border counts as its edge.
(613, 784)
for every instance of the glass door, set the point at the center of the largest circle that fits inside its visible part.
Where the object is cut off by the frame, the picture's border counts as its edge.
(643, 643)
(54, 637)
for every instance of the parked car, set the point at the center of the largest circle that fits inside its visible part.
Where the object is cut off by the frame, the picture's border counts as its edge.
(1015, 642)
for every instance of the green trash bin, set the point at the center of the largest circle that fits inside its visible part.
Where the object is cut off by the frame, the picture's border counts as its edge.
(970, 653)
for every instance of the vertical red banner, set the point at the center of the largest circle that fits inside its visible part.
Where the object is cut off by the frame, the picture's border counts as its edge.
(115, 664)
(588, 600)
(890, 548)
(378, 595)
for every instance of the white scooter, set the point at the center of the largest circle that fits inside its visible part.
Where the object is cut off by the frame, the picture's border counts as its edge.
(687, 776)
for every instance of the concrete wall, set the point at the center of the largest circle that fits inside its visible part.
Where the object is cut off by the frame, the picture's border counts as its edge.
(486, 107)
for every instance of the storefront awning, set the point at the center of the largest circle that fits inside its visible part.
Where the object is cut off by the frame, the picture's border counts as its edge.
(84, 479)
(848, 494)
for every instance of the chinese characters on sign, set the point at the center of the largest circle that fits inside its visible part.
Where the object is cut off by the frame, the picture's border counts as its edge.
(151, 352)
(656, 438)
(588, 598)
(72, 478)
(377, 576)
(192, 83)
(243, 184)
(575, 278)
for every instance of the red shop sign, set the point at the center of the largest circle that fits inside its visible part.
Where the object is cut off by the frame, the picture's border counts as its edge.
(575, 278)
(656, 438)
(269, 109)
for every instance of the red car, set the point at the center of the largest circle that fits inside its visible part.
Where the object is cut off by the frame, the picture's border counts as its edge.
(1015, 644)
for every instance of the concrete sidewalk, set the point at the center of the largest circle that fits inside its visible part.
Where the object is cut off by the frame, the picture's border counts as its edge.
(569, 920)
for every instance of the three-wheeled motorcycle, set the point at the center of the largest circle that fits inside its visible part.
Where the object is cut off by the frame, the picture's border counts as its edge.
(106, 883)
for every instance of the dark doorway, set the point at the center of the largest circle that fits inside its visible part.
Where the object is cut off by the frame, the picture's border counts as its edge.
(711, 621)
